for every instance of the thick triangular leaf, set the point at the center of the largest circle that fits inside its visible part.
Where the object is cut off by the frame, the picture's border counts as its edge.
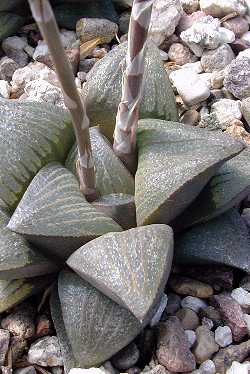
(103, 89)
(229, 186)
(111, 174)
(31, 135)
(175, 162)
(69, 360)
(14, 291)
(96, 327)
(223, 240)
(54, 215)
(17, 258)
(131, 267)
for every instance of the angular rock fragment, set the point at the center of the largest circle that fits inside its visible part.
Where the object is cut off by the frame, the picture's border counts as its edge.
(131, 267)
(175, 162)
(223, 240)
(55, 215)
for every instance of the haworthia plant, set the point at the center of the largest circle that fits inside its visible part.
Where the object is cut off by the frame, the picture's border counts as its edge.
(104, 87)
(96, 327)
(132, 84)
(111, 174)
(223, 240)
(54, 215)
(17, 258)
(131, 267)
(228, 187)
(175, 162)
(31, 135)
(12, 292)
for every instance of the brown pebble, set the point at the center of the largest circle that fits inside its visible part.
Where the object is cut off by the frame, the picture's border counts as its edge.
(180, 54)
(205, 345)
(188, 318)
(191, 287)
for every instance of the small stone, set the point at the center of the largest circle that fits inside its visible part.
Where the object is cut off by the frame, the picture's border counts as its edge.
(90, 28)
(4, 345)
(99, 52)
(190, 117)
(193, 303)
(246, 38)
(247, 320)
(21, 322)
(245, 108)
(7, 68)
(14, 49)
(217, 59)
(187, 20)
(165, 17)
(191, 337)
(217, 79)
(207, 367)
(158, 369)
(180, 54)
(170, 353)
(190, 6)
(226, 111)
(223, 336)
(126, 358)
(237, 131)
(45, 352)
(5, 89)
(43, 326)
(238, 25)
(18, 347)
(190, 87)
(221, 8)
(87, 64)
(188, 318)
(82, 76)
(174, 303)
(207, 322)
(195, 67)
(241, 296)
(245, 282)
(206, 33)
(26, 370)
(205, 345)
(232, 315)
(225, 357)
(238, 368)
(187, 286)
(73, 57)
(237, 77)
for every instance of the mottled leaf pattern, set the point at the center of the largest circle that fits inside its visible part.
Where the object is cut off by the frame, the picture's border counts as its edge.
(31, 135)
(96, 327)
(175, 162)
(111, 174)
(131, 267)
(55, 215)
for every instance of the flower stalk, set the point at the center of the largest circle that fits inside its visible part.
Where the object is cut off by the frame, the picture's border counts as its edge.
(44, 16)
(132, 86)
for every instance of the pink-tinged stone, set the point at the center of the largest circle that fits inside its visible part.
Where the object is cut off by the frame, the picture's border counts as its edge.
(238, 25)
(173, 347)
(232, 315)
(187, 20)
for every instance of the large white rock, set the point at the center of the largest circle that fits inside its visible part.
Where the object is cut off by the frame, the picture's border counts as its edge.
(165, 17)
(206, 33)
(241, 296)
(5, 89)
(190, 86)
(238, 368)
(226, 111)
(217, 59)
(42, 91)
(220, 8)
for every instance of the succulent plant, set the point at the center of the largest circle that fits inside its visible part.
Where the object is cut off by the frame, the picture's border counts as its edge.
(112, 268)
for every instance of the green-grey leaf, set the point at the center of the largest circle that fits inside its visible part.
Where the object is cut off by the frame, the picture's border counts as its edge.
(131, 267)
(31, 135)
(111, 174)
(96, 327)
(175, 162)
(17, 258)
(9, 24)
(14, 291)
(229, 186)
(69, 360)
(54, 215)
(104, 86)
(223, 240)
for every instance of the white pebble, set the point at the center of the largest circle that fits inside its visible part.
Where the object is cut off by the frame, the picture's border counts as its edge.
(241, 296)
(238, 368)
(207, 367)
(223, 336)
(5, 89)
(191, 337)
(193, 303)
